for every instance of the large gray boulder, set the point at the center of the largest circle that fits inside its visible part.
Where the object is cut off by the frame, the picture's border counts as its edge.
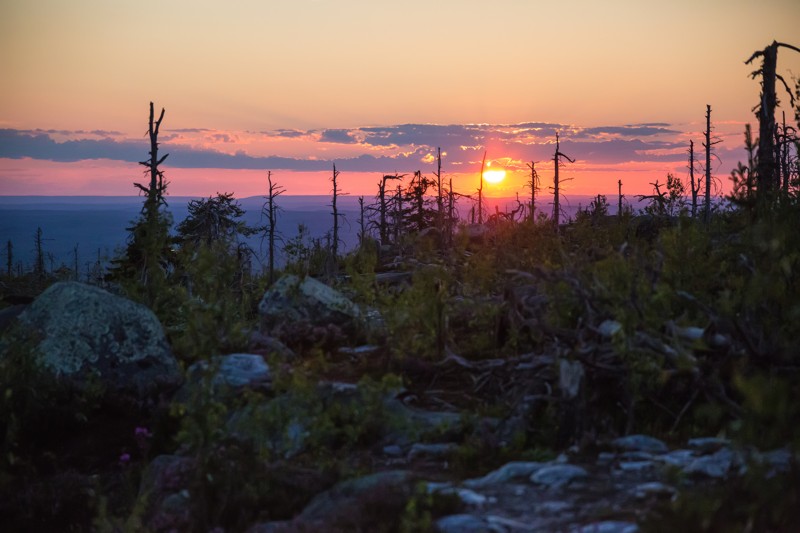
(84, 332)
(307, 309)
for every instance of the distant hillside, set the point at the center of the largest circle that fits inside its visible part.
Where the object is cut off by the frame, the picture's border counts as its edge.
(97, 224)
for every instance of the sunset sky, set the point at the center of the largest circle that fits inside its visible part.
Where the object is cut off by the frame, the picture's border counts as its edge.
(293, 86)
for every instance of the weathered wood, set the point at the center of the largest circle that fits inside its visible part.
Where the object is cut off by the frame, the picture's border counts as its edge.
(480, 191)
(767, 169)
(557, 183)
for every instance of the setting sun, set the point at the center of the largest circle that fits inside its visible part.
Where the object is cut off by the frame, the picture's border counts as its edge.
(494, 176)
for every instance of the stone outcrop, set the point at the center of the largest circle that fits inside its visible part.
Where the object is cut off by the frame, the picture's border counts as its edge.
(85, 333)
(302, 311)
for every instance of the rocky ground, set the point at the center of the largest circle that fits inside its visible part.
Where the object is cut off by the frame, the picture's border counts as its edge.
(241, 450)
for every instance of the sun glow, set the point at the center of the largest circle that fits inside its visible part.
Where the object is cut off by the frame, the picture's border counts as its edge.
(494, 176)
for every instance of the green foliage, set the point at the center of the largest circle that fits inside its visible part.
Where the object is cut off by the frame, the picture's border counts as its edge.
(770, 412)
(214, 219)
(359, 268)
(37, 408)
(424, 507)
(304, 255)
(219, 302)
(667, 203)
(145, 271)
(416, 317)
(320, 422)
(754, 502)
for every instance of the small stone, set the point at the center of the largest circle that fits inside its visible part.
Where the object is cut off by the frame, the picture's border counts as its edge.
(691, 333)
(462, 523)
(436, 451)
(229, 375)
(609, 328)
(636, 466)
(507, 472)
(654, 489)
(467, 496)
(603, 458)
(609, 526)
(641, 443)
(716, 466)
(636, 456)
(705, 445)
(570, 377)
(554, 507)
(780, 459)
(359, 351)
(393, 450)
(558, 475)
(677, 458)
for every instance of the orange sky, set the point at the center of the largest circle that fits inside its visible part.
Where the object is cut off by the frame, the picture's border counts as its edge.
(304, 80)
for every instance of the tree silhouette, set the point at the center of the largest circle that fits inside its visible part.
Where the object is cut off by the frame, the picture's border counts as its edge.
(556, 183)
(767, 170)
(146, 258)
(270, 210)
(533, 183)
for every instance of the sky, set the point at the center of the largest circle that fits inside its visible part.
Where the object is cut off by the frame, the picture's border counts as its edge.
(294, 86)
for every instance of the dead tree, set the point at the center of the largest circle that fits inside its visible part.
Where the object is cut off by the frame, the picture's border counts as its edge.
(418, 215)
(786, 138)
(766, 173)
(480, 191)
(361, 222)
(270, 210)
(9, 258)
(708, 144)
(695, 187)
(619, 199)
(533, 183)
(38, 268)
(398, 213)
(383, 207)
(75, 263)
(556, 183)
(334, 245)
(439, 196)
(451, 207)
(157, 187)
(148, 250)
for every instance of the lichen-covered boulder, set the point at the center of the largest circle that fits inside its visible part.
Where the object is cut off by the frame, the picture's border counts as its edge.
(86, 333)
(298, 309)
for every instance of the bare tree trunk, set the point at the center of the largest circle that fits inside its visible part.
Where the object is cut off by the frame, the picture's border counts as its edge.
(398, 213)
(785, 158)
(75, 264)
(450, 213)
(534, 184)
(439, 196)
(157, 187)
(39, 267)
(480, 191)
(707, 211)
(383, 228)
(9, 258)
(273, 191)
(695, 186)
(556, 184)
(619, 199)
(335, 240)
(383, 208)
(765, 111)
(361, 223)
